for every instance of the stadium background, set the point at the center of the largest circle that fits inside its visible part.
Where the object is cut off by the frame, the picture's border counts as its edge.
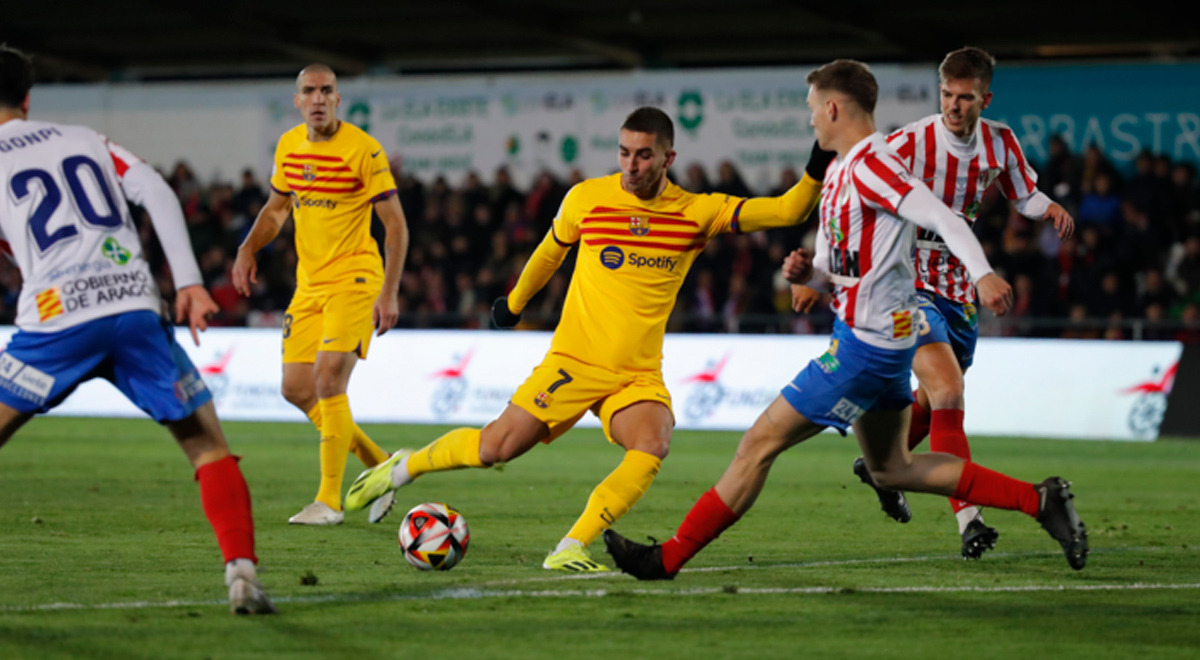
(1105, 111)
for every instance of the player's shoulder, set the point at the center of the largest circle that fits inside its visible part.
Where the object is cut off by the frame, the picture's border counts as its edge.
(875, 152)
(998, 130)
(913, 129)
(593, 191)
(293, 136)
(35, 131)
(356, 137)
(995, 125)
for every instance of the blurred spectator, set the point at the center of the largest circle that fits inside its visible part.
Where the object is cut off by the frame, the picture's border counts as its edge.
(696, 181)
(1100, 205)
(730, 182)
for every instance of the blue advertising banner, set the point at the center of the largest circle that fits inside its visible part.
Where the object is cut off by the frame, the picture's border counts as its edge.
(1122, 108)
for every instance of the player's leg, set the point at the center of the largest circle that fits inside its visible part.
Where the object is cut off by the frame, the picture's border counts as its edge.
(225, 498)
(881, 437)
(779, 427)
(11, 419)
(943, 356)
(643, 429)
(154, 373)
(299, 388)
(543, 407)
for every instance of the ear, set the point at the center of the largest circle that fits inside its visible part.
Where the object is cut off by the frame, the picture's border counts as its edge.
(831, 108)
(987, 100)
(25, 104)
(296, 100)
(670, 159)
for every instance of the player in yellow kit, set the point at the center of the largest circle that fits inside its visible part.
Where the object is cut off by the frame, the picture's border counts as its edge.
(330, 175)
(638, 234)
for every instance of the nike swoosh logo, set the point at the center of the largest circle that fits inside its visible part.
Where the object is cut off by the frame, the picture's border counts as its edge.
(326, 341)
(376, 153)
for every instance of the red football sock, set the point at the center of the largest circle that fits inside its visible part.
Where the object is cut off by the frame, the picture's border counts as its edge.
(918, 427)
(705, 522)
(946, 435)
(983, 487)
(226, 501)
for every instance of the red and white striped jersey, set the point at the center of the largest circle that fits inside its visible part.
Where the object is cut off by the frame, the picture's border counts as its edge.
(865, 248)
(959, 173)
(65, 217)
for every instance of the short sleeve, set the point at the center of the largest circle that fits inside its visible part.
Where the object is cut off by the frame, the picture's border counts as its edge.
(376, 173)
(279, 182)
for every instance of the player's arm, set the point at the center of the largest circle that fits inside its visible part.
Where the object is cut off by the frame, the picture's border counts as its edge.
(395, 247)
(1039, 206)
(266, 227)
(1019, 183)
(792, 207)
(146, 188)
(924, 209)
(540, 267)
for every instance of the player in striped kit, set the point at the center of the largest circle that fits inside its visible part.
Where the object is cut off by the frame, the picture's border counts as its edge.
(870, 208)
(89, 307)
(959, 156)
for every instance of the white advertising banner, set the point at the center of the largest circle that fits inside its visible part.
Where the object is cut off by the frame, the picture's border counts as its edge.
(755, 118)
(1022, 387)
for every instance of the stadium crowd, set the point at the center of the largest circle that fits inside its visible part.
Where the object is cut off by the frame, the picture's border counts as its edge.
(1132, 271)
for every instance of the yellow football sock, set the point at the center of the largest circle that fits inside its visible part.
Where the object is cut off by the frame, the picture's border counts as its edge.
(457, 449)
(337, 429)
(360, 443)
(616, 495)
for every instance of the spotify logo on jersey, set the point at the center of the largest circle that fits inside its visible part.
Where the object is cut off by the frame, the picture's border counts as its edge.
(612, 257)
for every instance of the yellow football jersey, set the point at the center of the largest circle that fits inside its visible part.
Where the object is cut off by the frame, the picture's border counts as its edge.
(333, 185)
(633, 256)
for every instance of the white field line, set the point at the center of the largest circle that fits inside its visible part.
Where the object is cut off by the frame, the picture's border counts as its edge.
(488, 590)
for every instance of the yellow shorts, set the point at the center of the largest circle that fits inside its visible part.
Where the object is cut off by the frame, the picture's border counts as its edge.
(561, 389)
(334, 318)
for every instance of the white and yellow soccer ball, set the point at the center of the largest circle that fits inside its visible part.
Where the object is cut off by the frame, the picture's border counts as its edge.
(434, 536)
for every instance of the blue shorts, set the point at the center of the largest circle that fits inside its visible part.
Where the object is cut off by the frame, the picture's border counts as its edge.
(136, 351)
(949, 322)
(850, 378)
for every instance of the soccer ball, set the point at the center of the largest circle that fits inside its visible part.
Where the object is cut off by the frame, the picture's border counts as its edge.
(434, 536)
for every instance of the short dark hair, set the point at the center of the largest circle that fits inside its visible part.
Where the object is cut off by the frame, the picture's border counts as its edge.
(850, 77)
(966, 63)
(16, 76)
(648, 119)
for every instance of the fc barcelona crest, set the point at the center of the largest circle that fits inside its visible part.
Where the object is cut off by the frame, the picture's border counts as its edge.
(639, 226)
(310, 172)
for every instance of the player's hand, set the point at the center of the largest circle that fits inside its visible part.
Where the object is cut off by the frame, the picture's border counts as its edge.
(245, 272)
(818, 161)
(798, 266)
(1062, 220)
(995, 293)
(501, 316)
(803, 298)
(386, 312)
(195, 305)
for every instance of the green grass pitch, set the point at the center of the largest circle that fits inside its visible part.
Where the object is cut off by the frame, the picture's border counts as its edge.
(106, 554)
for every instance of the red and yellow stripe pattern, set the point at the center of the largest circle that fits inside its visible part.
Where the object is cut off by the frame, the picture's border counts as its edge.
(49, 304)
(319, 173)
(639, 227)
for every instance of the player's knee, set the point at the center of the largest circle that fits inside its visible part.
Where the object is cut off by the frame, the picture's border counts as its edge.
(298, 394)
(657, 446)
(947, 395)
